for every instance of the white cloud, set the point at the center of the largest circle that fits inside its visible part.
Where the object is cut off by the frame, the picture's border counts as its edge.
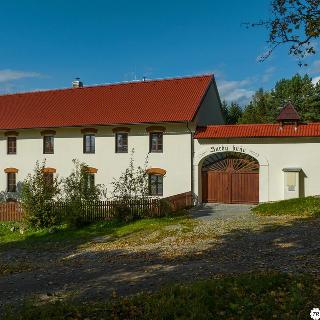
(7, 75)
(315, 80)
(235, 90)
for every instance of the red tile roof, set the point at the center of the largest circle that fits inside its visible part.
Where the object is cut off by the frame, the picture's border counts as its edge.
(288, 113)
(168, 100)
(258, 130)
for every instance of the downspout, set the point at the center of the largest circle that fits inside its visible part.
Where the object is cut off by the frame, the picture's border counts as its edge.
(191, 159)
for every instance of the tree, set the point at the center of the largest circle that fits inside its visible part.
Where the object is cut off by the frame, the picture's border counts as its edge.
(234, 113)
(259, 110)
(293, 22)
(302, 93)
(231, 113)
(265, 106)
(37, 194)
(132, 183)
(80, 189)
(80, 186)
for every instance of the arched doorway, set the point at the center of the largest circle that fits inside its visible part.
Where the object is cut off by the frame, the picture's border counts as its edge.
(230, 177)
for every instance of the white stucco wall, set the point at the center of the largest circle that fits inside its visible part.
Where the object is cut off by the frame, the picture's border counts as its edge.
(273, 154)
(68, 145)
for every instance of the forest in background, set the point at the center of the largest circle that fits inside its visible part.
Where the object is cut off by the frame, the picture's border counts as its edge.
(265, 105)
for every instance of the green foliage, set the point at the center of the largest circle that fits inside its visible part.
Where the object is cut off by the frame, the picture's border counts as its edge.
(249, 296)
(295, 23)
(37, 196)
(260, 109)
(79, 188)
(132, 183)
(64, 235)
(232, 113)
(165, 207)
(309, 206)
(265, 106)
(124, 213)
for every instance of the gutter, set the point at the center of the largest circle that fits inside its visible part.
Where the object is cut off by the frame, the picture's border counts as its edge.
(191, 159)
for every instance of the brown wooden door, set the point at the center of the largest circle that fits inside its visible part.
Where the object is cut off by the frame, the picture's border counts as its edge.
(216, 186)
(231, 181)
(245, 187)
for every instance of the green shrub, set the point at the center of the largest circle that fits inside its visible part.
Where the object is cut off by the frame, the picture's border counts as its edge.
(165, 207)
(308, 206)
(37, 196)
(79, 190)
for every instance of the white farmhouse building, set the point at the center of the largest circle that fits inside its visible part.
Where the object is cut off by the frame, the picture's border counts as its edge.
(177, 123)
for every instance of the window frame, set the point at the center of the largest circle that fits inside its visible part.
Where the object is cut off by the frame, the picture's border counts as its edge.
(12, 138)
(44, 144)
(117, 149)
(9, 182)
(158, 191)
(92, 146)
(48, 181)
(157, 150)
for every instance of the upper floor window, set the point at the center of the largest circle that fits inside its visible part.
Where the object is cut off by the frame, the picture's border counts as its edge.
(48, 144)
(155, 185)
(121, 142)
(11, 182)
(156, 141)
(89, 143)
(11, 145)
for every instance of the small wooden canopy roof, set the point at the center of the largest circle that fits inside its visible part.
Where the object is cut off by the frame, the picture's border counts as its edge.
(288, 113)
(156, 171)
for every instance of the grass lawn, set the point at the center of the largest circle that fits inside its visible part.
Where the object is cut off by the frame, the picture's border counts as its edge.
(248, 296)
(63, 235)
(308, 206)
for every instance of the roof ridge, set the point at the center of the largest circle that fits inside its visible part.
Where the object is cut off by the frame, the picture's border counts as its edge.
(243, 124)
(132, 82)
(256, 124)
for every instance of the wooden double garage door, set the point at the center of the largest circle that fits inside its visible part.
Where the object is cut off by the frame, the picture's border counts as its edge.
(225, 187)
(230, 178)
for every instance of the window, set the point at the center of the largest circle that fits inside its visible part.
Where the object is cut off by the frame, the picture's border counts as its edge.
(155, 185)
(11, 182)
(12, 145)
(122, 142)
(48, 179)
(48, 144)
(89, 182)
(156, 139)
(89, 143)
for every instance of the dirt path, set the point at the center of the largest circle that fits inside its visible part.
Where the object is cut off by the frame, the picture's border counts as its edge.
(95, 270)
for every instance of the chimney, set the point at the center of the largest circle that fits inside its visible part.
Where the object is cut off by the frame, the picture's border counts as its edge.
(77, 83)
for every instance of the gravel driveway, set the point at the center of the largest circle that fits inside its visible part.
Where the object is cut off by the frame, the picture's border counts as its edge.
(219, 244)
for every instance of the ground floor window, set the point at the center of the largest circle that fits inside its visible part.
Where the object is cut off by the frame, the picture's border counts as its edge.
(48, 179)
(11, 182)
(155, 185)
(90, 181)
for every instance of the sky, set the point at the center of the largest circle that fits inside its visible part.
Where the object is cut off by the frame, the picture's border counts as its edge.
(47, 44)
